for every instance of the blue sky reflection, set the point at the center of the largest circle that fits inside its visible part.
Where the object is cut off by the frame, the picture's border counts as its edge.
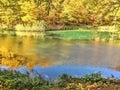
(77, 71)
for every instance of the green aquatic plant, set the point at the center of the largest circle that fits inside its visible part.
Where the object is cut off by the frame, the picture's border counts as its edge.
(73, 34)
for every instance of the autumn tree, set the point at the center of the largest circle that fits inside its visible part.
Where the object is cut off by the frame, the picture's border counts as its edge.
(57, 12)
(73, 12)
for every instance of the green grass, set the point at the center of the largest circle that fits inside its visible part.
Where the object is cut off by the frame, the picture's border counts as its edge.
(13, 80)
(80, 33)
(73, 34)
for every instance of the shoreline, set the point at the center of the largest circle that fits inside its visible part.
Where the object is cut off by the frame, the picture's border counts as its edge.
(17, 81)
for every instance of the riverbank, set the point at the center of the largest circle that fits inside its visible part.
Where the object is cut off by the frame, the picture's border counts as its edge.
(11, 79)
(100, 33)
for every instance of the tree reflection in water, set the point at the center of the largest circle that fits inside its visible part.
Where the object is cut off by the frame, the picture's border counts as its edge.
(12, 60)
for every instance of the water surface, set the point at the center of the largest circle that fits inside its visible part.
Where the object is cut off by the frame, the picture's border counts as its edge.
(51, 57)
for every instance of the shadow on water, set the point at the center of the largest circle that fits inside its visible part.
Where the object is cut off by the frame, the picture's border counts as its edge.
(53, 57)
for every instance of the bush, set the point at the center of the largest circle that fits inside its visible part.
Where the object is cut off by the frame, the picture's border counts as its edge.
(38, 26)
(13, 80)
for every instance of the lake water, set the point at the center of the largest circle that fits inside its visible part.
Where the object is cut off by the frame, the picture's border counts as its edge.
(51, 57)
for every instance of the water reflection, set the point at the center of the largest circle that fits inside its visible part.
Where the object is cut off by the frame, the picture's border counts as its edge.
(48, 53)
(75, 71)
(53, 72)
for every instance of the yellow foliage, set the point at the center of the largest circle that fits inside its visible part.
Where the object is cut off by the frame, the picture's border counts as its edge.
(74, 86)
(73, 10)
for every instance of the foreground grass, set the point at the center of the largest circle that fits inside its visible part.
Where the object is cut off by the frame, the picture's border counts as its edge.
(13, 80)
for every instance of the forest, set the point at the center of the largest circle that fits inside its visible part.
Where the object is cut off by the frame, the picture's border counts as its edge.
(57, 13)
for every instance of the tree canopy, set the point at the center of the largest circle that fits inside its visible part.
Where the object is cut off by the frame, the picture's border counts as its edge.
(68, 12)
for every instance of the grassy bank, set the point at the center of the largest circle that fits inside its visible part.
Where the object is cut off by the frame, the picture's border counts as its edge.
(78, 34)
(66, 32)
(86, 33)
(13, 80)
